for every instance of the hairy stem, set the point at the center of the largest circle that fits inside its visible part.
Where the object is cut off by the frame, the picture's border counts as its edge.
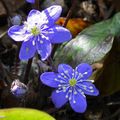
(28, 67)
(53, 67)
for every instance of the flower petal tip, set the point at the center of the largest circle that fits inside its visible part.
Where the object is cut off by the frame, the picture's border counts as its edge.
(43, 58)
(97, 93)
(30, 1)
(56, 8)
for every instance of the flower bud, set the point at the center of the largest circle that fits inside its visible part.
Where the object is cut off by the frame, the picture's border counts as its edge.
(18, 88)
(16, 20)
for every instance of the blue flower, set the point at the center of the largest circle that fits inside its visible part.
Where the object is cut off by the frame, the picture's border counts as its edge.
(71, 85)
(38, 32)
(31, 1)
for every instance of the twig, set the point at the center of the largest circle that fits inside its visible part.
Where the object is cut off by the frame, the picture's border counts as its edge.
(102, 8)
(105, 13)
(74, 3)
(109, 12)
(36, 5)
(3, 34)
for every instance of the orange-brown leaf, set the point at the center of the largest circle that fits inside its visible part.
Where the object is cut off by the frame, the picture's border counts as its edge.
(75, 25)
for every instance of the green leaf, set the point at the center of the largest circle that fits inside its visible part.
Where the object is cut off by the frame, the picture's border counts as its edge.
(23, 114)
(91, 45)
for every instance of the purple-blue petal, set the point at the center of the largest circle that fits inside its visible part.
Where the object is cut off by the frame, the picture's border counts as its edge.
(80, 103)
(85, 69)
(27, 50)
(48, 78)
(18, 33)
(31, 1)
(59, 99)
(90, 89)
(44, 47)
(58, 34)
(66, 69)
(34, 17)
(51, 14)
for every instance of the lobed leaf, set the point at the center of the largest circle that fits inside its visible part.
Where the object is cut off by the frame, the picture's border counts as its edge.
(23, 114)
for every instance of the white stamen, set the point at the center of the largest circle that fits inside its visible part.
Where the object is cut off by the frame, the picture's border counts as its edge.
(91, 87)
(33, 42)
(41, 42)
(76, 72)
(66, 96)
(91, 90)
(72, 74)
(65, 76)
(66, 71)
(62, 73)
(56, 79)
(70, 98)
(61, 81)
(85, 73)
(59, 85)
(76, 68)
(39, 51)
(59, 76)
(57, 91)
(91, 81)
(82, 93)
(64, 89)
(80, 90)
(74, 101)
(43, 36)
(70, 91)
(75, 92)
(80, 75)
(85, 87)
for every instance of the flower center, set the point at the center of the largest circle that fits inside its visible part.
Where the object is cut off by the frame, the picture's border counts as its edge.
(72, 82)
(35, 31)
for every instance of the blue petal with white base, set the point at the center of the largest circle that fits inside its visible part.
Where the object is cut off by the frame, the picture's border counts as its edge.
(78, 103)
(18, 33)
(44, 47)
(27, 50)
(52, 14)
(85, 70)
(49, 78)
(58, 34)
(40, 26)
(66, 70)
(59, 98)
(72, 85)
